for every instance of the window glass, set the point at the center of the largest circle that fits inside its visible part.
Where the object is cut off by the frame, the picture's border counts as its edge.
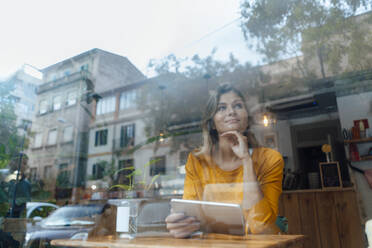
(64, 176)
(33, 173)
(106, 105)
(47, 171)
(42, 211)
(67, 72)
(101, 137)
(157, 166)
(127, 134)
(98, 171)
(262, 103)
(38, 140)
(71, 98)
(84, 67)
(128, 99)
(125, 175)
(43, 107)
(52, 137)
(57, 101)
(68, 134)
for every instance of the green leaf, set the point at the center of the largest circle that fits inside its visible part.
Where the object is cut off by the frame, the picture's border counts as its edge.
(153, 161)
(124, 169)
(152, 182)
(122, 186)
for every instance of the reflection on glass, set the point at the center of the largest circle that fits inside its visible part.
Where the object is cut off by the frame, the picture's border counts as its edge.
(98, 125)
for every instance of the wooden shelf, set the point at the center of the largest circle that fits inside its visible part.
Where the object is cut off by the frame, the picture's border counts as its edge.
(364, 158)
(364, 140)
(317, 190)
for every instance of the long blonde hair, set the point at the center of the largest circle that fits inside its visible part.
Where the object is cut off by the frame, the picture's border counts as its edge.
(210, 134)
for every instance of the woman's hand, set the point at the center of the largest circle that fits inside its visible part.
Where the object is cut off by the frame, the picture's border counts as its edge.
(181, 226)
(239, 143)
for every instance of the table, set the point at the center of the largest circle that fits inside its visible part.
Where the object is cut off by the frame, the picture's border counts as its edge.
(214, 240)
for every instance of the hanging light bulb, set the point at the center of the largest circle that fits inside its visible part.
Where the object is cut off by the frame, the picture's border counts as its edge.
(265, 120)
(268, 119)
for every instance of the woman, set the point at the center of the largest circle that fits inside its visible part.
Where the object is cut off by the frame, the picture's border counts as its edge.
(231, 167)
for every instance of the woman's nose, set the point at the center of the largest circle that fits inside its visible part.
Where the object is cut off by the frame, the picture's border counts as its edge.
(231, 111)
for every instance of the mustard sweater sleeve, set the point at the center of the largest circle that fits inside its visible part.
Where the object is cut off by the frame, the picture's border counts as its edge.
(193, 189)
(261, 217)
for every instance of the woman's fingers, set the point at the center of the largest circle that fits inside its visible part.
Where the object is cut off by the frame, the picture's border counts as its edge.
(238, 142)
(181, 226)
(185, 231)
(235, 134)
(174, 217)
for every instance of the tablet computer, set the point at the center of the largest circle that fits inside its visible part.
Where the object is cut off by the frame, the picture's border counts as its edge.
(214, 217)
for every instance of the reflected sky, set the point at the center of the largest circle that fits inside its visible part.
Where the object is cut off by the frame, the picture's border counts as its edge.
(42, 33)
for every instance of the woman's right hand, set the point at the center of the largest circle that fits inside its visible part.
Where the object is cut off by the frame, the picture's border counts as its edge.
(181, 226)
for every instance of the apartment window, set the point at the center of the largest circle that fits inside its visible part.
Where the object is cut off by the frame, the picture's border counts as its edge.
(84, 67)
(66, 73)
(125, 176)
(71, 98)
(47, 171)
(33, 174)
(128, 99)
(106, 105)
(157, 166)
(52, 137)
(68, 134)
(127, 135)
(38, 140)
(64, 176)
(101, 137)
(57, 103)
(43, 107)
(98, 170)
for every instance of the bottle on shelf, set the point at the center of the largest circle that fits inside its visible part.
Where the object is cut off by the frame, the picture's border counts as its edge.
(362, 130)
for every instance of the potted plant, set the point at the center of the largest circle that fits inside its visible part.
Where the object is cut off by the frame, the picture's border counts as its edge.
(137, 189)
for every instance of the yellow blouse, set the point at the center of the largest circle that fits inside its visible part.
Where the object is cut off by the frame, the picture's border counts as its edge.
(206, 181)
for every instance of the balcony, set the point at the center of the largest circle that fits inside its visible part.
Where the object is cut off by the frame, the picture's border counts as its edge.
(74, 77)
(118, 146)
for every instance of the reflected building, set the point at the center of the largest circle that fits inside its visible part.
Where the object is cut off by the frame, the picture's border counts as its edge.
(58, 151)
(124, 145)
(24, 83)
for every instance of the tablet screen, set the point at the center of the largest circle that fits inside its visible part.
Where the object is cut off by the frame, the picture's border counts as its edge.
(214, 217)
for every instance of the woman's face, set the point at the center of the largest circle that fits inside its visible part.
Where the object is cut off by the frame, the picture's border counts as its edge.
(231, 114)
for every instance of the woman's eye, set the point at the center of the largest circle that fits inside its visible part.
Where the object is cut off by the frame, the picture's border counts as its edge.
(221, 108)
(238, 106)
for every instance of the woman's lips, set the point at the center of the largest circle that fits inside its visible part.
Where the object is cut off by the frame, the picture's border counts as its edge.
(231, 121)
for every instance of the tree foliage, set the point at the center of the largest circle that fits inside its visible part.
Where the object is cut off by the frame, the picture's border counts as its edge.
(10, 140)
(327, 30)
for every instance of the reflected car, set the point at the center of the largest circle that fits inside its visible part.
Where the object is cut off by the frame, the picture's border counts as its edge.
(68, 222)
(36, 212)
(39, 209)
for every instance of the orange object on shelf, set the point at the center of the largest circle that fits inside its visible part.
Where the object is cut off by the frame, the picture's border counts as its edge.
(355, 132)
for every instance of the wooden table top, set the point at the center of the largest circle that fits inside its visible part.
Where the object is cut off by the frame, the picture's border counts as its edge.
(211, 240)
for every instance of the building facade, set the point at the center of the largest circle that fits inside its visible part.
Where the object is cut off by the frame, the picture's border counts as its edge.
(24, 83)
(64, 110)
(121, 148)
